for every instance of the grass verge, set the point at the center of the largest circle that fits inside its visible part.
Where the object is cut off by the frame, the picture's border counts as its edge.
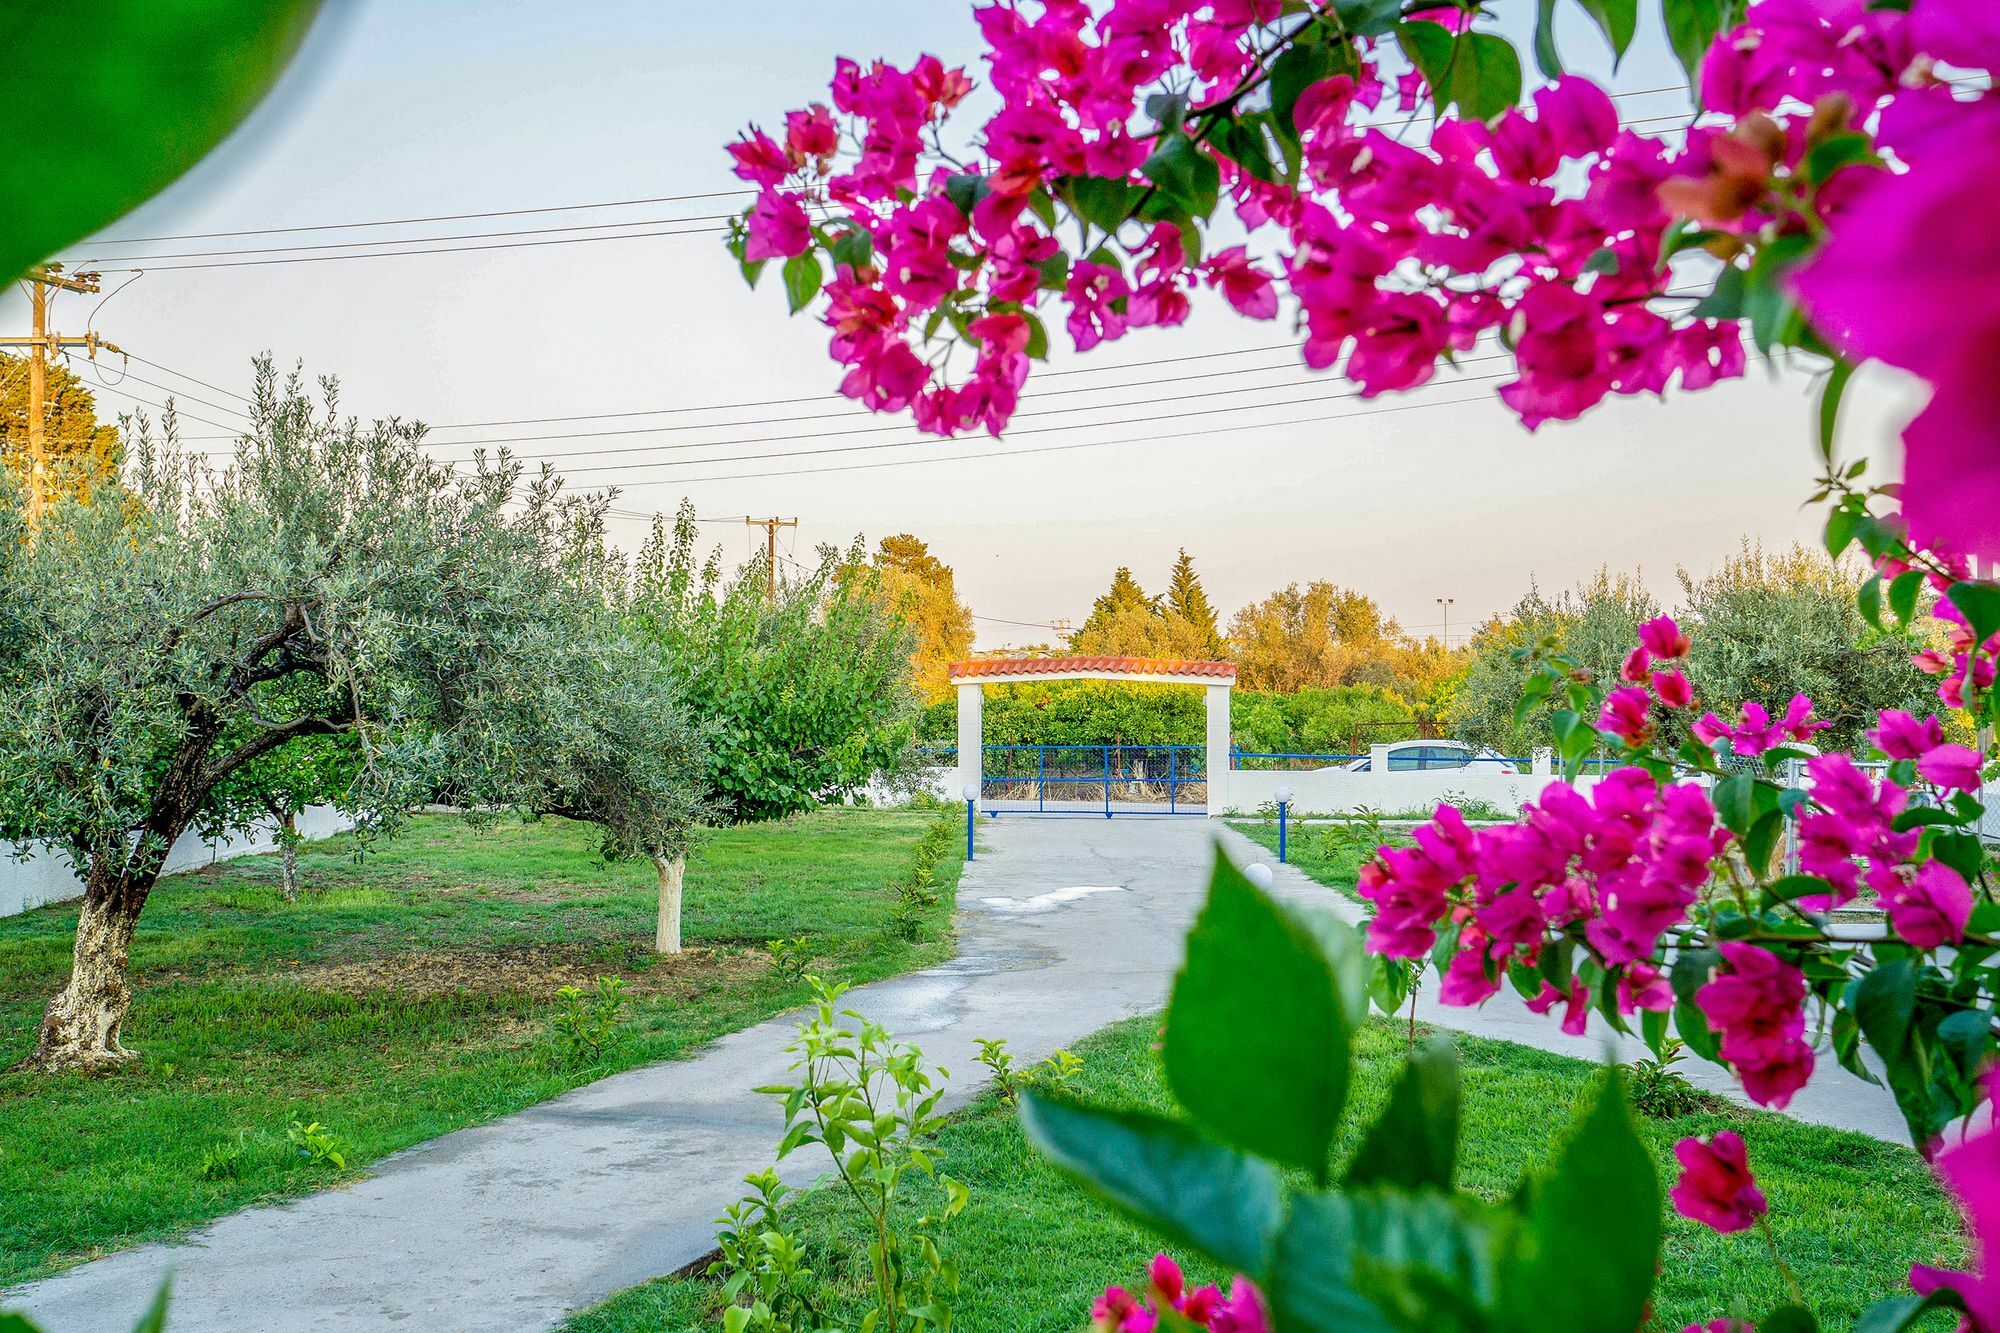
(404, 996)
(1850, 1213)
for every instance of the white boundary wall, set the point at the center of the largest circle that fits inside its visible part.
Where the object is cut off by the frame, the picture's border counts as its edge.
(46, 877)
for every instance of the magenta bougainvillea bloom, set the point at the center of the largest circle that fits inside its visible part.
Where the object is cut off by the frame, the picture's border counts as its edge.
(1662, 637)
(1928, 905)
(1953, 767)
(1758, 1007)
(1970, 1169)
(1243, 1310)
(1628, 715)
(1716, 1187)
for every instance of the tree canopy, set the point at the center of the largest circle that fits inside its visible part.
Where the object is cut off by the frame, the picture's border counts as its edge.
(82, 454)
(805, 695)
(333, 581)
(920, 589)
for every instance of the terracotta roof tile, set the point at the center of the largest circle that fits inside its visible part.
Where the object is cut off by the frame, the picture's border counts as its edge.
(986, 667)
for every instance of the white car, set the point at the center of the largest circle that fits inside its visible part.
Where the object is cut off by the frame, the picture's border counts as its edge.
(1417, 756)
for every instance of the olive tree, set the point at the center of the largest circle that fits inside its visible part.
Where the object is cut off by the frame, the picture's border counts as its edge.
(331, 581)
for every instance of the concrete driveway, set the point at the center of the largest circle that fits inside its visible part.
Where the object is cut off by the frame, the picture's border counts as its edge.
(1066, 925)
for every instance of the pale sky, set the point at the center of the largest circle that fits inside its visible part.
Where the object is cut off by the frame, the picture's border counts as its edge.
(455, 106)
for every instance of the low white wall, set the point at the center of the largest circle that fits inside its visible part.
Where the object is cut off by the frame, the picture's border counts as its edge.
(46, 876)
(1319, 791)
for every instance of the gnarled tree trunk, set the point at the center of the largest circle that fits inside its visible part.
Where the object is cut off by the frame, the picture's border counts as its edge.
(81, 1025)
(667, 935)
(288, 852)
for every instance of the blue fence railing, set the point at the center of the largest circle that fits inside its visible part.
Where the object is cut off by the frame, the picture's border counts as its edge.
(1167, 779)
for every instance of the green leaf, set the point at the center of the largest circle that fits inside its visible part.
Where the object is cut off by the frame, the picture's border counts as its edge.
(1904, 590)
(802, 279)
(851, 248)
(1742, 799)
(1365, 1262)
(155, 1317)
(1368, 18)
(1164, 1173)
(1477, 72)
(1414, 1143)
(1774, 317)
(965, 189)
(142, 91)
(1979, 603)
(1725, 300)
(1547, 58)
(1829, 416)
(1883, 1002)
(1788, 1319)
(1270, 1079)
(1169, 110)
(1691, 29)
(1591, 1245)
(1618, 20)
(1868, 600)
(1184, 174)
(1102, 202)
(1692, 969)
(1296, 69)
(1899, 1313)
(1842, 150)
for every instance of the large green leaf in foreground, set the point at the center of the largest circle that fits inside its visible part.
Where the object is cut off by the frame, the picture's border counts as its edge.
(113, 100)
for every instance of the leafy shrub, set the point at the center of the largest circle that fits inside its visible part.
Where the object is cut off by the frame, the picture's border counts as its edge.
(220, 1161)
(1661, 1092)
(872, 1102)
(587, 1023)
(916, 889)
(1054, 1074)
(790, 957)
(316, 1144)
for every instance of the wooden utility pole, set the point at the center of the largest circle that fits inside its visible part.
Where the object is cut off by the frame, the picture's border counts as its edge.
(42, 281)
(771, 526)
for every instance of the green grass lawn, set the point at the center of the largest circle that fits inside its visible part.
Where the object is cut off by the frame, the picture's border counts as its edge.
(1328, 853)
(1850, 1213)
(404, 995)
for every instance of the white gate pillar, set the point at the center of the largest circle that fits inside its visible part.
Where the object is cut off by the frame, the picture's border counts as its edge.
(971, 724)
(1216, 701)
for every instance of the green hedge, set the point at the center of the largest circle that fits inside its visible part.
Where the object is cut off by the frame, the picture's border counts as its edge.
(1094, 712)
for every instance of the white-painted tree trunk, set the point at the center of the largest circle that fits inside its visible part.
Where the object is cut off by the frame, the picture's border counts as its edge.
(667, 934)
(80, 1026)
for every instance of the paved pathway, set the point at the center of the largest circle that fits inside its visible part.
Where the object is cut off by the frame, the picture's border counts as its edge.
(515, 1224)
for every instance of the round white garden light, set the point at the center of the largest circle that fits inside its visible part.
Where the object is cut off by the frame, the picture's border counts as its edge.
(1258, 874)
(1284, 795)
(971, 791)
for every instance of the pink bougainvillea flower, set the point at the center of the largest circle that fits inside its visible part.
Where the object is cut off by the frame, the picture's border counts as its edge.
(1575, 1002)
(1953, 767)
(1758, 1005)
(1243, 1312)
(1907, 232)
(1798, 723)
(759, 159)
(779, 228)
(1247, 288)
(1661, 637)
(1929, 907)
(1119, 1311)
(1644, 986)
(1899, 735)
(1673, 689)
(1637, 664)
(1716, 1187)
(1628, 715)
(1722, 1326)
(1165, 1275)
(1970, 1169)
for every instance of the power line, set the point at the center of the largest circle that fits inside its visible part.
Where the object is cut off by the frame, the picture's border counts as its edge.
(415, 240)
(440, 250)
(440, 217)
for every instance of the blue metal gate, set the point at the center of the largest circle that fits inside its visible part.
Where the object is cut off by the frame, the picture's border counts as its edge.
(1094, 779)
